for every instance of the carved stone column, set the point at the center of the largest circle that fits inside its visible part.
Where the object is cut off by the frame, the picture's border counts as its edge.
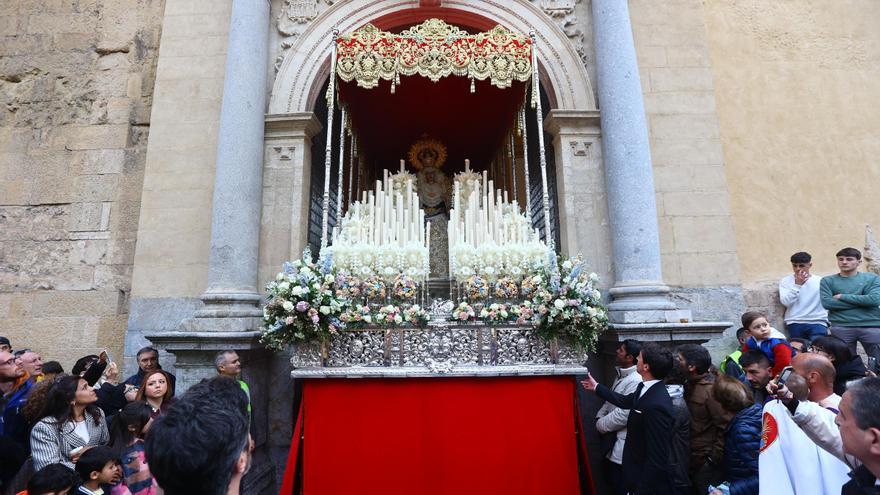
(639, 294)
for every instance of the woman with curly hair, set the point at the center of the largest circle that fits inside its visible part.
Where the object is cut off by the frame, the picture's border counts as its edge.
(156, 392)
(71, 423)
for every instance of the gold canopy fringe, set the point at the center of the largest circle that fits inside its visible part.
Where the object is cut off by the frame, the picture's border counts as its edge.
(434, 50)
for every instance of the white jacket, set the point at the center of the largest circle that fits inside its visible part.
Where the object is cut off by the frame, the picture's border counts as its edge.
(818, 423)
(611, 418)
(791, 463)
(802, 302)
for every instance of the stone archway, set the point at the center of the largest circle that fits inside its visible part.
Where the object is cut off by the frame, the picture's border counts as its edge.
(295, 86)
(572, 122)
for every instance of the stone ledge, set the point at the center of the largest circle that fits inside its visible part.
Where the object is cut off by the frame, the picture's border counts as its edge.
(206, 341)
(674, 333)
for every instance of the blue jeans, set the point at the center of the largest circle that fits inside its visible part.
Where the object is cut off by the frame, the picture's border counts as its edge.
(807, 331)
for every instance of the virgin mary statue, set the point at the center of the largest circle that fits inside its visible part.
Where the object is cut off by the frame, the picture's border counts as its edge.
(428, 156)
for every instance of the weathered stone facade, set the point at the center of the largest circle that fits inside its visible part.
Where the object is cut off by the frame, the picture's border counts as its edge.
(76, 86)
(755, 115)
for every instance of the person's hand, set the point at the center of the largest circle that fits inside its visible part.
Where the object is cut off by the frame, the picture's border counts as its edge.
(801, 277)
(870, 374)
(781, 393)
(76, 455)
(716, 492)
(112, 373)
(589, 383)
(836, 296)
(130, 392)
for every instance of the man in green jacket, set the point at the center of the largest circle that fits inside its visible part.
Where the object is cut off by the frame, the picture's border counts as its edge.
(852, 299)
(229, 364)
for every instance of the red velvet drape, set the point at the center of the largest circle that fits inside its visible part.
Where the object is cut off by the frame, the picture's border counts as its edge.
(511, 435)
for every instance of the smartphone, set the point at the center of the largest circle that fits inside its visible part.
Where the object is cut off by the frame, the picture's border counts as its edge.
(783, 375)
(872, 364)
(106, 356)
(76, 451)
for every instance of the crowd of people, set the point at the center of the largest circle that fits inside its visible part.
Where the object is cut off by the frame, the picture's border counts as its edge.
(86, 431)
(796, 414)
(780, 414)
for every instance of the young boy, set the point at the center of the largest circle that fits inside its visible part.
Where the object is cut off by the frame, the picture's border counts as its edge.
(97, 466)
(54, 479)
(766, 339)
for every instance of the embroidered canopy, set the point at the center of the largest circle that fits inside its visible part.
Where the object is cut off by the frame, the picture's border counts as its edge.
(434, 50)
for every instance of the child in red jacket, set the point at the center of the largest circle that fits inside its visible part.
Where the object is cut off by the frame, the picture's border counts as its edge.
(777, 350)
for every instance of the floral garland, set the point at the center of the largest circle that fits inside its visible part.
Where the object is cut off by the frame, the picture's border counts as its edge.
(405, 288)
(495, 313)
(569, 306)
(386, 316)
(303, 305)
(506, 288)
(464, 312)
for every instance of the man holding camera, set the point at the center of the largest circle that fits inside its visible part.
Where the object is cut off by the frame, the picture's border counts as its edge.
(649, 426)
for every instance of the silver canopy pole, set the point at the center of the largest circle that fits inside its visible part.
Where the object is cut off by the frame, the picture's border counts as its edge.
(342, 121)
(525, 143)
(536, 102)
(331, 97)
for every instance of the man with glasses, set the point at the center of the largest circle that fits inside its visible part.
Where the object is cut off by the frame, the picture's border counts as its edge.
(32, 364)
(14, 388)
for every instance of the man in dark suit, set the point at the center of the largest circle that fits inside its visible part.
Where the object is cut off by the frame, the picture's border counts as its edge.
(649, 427)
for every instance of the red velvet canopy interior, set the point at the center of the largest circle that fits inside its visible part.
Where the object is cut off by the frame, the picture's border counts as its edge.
(471, 125)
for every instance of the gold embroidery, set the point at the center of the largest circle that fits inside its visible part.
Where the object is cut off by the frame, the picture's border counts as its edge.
(434, 50)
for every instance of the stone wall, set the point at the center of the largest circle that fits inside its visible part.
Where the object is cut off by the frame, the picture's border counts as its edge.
(797, 85)
(693, 205)
(76, 87)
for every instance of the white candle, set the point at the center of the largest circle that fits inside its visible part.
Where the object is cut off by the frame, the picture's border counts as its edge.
(401, 166)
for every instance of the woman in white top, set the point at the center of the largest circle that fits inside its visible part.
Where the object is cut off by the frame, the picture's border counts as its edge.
(70, 423)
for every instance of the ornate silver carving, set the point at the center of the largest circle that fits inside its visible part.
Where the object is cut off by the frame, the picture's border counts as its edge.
(442, 348)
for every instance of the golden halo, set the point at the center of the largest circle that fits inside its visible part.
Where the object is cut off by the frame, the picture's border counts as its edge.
(427, 144)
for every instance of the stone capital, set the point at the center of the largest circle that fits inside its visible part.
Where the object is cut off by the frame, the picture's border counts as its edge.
(302, 125)
(573, 122)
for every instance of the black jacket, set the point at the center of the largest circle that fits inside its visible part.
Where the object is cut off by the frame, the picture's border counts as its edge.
(648, 438)
(862, 483)
(854, 369)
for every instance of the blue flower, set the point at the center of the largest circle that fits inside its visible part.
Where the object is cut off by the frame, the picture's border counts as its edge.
(288, 268)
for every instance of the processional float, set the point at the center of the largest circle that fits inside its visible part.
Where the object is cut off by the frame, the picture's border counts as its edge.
(518, 318)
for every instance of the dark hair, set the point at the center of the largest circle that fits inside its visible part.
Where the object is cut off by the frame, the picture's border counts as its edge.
(194, 447)
(38, 397)
(94, 459)
(52, 367)
(801, 257)
(741, 332)
(659, 359)
(749, 317)
(836, 347)
(142, 391)
(676, 376)
(697, 356)
(145, 350)
(631, 347)
(58, 402)
(866, 402)
(804, 342)
(753, 356)
(83, 363)
(136, 414)
(52, 479)
(850, 252)
(732, 394)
